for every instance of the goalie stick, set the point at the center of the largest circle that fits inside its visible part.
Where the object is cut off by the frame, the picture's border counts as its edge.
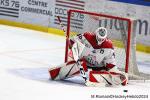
(77, 60)
(62, 26)
(75, 50)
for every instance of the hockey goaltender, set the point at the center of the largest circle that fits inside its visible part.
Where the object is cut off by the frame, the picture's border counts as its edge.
(91, 55)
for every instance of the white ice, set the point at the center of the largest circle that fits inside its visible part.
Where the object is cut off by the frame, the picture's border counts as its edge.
(26, 55)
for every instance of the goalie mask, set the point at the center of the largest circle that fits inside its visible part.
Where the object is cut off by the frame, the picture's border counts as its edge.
(101, 34)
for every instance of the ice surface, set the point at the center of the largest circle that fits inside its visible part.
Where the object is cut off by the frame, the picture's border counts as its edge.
(25, 57)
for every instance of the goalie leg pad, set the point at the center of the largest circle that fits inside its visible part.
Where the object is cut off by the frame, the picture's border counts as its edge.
(119, 77)
(54, 72)
(101, 77)
(109, 78)
(65, 70)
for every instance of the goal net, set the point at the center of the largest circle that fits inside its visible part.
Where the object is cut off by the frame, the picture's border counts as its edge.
(120, 31)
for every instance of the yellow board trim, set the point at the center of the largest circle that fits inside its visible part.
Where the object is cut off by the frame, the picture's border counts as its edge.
(118, 43)
(56, 31)
(143, 48)
(139, 47)
(24, 25)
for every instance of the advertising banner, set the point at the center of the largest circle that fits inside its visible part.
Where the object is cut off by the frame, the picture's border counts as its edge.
(36, 11)
(61, 8)
(9, 9)
(136, 12)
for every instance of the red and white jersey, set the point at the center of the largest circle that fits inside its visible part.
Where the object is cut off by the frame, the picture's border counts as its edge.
(96, 55)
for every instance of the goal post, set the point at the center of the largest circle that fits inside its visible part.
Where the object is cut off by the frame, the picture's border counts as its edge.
(121, 30)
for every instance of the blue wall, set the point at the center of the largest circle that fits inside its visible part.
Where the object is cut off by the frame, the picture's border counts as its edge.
(138, 2)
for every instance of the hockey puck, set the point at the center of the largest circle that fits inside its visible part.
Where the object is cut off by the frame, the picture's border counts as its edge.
(125, 90)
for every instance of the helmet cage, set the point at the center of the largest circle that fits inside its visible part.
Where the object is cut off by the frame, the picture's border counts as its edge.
(101, 34)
